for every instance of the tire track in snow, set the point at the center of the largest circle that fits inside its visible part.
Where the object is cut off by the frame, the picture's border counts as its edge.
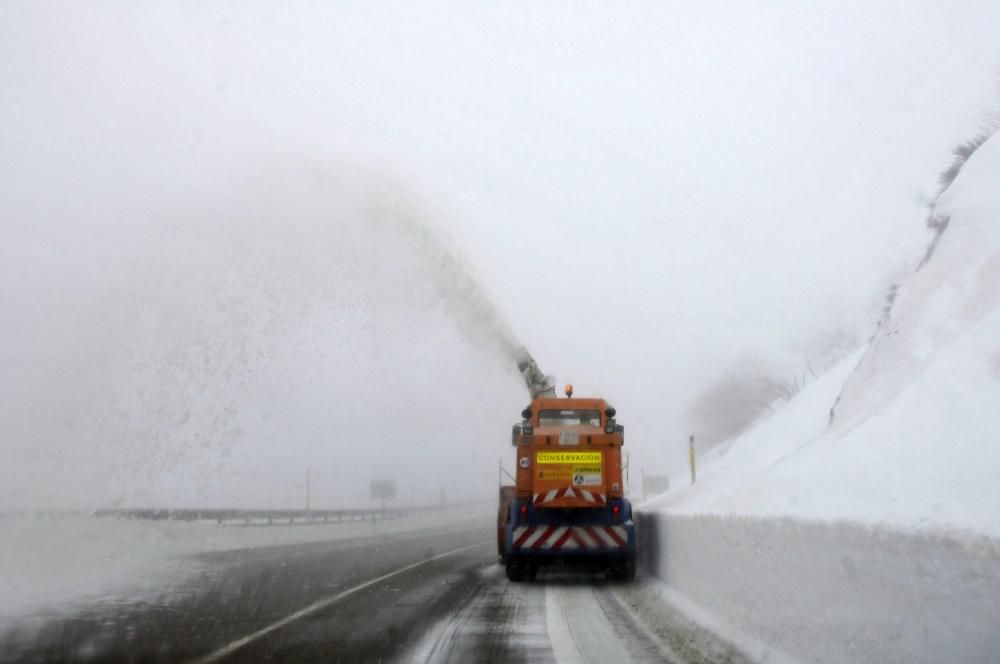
(562, 620)
(500, 622)
(588, 624)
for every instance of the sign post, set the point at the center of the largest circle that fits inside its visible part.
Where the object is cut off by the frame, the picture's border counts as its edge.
(694, 475)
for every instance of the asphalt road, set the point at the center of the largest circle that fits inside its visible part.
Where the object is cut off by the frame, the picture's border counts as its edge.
(427, 597)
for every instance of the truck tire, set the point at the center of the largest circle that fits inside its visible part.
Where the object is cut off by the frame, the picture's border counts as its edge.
(517, 571)
(623, 572)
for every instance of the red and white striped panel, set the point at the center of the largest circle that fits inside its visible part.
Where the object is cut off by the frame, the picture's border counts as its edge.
(568, 538)
(569, 492)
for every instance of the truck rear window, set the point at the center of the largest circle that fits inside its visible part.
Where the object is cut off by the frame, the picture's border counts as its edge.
(557, 417)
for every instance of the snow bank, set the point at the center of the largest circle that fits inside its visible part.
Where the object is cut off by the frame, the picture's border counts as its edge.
(800, 422)
(874, 536)
(914, 441)
(789, 590)
(56, 562)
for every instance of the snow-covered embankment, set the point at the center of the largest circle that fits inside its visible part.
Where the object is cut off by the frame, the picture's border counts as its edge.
(874, 536)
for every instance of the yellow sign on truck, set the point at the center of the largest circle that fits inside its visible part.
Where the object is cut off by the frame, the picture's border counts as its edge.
(569, 457)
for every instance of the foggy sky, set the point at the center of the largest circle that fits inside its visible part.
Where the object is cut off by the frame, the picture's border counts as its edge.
(228, 229)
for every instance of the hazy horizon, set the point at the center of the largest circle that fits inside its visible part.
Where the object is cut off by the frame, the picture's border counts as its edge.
(243, 244)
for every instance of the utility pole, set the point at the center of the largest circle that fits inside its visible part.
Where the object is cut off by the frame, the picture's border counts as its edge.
(694, 474)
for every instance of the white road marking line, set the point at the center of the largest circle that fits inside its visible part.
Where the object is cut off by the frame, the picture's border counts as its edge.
(321, 604)
(581, 629)
(580, 632)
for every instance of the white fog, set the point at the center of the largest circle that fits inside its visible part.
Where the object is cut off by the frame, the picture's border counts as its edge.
(246, 242)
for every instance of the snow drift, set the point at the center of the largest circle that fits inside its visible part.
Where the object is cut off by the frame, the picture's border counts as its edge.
(911, 440)
(860, 520)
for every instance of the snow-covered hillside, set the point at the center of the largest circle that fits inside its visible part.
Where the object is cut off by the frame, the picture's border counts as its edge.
(915, 437)
(861, 521)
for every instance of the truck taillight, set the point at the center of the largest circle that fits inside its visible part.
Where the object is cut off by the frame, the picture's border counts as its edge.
(524, 509)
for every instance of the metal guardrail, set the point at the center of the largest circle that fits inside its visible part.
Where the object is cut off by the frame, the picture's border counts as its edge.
(270, 516)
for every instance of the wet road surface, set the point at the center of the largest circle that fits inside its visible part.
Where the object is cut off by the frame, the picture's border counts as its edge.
(426, 597)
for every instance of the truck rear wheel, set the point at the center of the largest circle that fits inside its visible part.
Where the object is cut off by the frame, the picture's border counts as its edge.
(518, 571)
(623, 572)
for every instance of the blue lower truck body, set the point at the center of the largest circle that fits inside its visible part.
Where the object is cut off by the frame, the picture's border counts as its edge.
(599, 539)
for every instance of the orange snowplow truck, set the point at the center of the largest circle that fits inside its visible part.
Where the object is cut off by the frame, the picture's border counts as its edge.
(568, 505)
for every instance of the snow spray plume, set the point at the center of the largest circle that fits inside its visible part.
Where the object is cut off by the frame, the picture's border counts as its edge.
(465, 299)
(206, 299)
(538, 384)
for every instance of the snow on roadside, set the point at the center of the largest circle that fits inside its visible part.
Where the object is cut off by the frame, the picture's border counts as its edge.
(829, 592)
(798, 423)
(914, 442)
(54, 562)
